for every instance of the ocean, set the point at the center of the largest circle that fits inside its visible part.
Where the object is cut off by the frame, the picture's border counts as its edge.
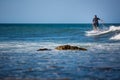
(19, 58)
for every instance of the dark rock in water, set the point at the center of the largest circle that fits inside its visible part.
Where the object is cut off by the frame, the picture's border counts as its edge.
(64, 47)
(69, 47)
(43, 49)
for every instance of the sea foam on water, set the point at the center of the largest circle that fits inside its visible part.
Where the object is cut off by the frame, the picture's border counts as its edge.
(116, 37)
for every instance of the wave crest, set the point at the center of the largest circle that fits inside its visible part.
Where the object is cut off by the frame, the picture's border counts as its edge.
(116, 37)
(115, 28)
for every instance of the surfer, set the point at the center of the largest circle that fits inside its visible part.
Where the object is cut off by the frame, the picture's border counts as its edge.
(95, 22)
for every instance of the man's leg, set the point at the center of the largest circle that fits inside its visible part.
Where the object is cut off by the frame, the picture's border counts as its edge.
(95, 27)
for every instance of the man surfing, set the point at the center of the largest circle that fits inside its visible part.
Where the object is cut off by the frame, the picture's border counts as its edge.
(95, 23)
(96, 30)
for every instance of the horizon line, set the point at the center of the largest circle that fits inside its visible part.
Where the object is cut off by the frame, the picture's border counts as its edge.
(56, 23)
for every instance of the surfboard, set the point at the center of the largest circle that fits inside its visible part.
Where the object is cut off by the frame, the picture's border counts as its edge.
(103, 31)
(95, 33)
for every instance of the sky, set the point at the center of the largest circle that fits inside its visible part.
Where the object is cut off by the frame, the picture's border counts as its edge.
(58, 11)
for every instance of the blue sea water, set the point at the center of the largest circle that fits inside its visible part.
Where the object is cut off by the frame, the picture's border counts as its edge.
(19, 58)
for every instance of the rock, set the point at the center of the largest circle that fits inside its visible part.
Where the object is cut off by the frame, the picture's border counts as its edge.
(69, 47)
(43, 49)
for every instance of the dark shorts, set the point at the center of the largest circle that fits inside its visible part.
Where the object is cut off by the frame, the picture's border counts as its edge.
(96, 24)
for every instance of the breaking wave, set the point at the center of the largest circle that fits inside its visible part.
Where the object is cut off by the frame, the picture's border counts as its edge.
(115, 29)
(116, 37)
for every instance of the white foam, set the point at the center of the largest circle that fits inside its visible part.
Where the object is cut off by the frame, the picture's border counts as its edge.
(114, 28)
(99, 32)
(116, 37)
(31, 47)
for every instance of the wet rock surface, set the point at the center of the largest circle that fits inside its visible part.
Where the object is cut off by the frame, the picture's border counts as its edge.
(69, 47)
(43, 49)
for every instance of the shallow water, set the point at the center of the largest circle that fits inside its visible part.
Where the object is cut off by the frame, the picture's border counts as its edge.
(20, 59)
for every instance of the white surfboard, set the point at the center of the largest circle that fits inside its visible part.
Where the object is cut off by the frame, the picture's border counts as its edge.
(95, 33)
(101, 32)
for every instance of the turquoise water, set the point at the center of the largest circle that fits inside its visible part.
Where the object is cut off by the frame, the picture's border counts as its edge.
(19, 57)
